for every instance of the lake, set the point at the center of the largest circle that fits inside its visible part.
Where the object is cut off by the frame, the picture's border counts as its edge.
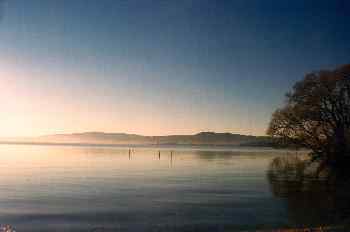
(77, 188)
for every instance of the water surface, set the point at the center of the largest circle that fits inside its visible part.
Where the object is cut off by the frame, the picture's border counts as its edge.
(67, 188)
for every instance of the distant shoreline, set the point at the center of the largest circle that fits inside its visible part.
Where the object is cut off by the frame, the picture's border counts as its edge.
(126, 145)
(214, 147)
(211, 139)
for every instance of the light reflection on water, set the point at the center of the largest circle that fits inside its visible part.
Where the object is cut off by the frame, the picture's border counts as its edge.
(48, 188)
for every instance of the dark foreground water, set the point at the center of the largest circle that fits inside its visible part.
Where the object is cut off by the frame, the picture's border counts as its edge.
(60, 188)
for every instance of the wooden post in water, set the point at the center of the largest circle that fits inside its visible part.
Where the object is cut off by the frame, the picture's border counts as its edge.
(159, 154)
(129, 153)
(171, 158)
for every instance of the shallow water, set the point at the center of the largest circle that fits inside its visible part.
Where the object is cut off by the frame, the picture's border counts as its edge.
(66, 188)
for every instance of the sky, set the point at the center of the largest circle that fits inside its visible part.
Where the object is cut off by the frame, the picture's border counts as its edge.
(160, 67)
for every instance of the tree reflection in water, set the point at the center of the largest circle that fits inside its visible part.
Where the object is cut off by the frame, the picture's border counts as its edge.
(310, 201)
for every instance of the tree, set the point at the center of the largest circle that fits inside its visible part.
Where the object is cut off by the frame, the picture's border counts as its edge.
(316, 115)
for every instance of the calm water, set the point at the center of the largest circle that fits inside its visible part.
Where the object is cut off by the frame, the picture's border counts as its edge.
(60, 188)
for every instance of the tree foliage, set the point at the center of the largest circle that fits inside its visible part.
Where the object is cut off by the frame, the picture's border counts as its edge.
(316, 115)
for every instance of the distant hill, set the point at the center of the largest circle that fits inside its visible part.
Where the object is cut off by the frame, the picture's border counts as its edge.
(202, 138)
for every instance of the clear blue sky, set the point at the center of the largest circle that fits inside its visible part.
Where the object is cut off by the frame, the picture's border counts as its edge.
(160, 67)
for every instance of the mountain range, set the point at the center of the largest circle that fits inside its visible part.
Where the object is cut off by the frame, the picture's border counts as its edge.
(102, 138)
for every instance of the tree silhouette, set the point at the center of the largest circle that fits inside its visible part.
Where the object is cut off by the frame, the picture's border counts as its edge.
(317, 116)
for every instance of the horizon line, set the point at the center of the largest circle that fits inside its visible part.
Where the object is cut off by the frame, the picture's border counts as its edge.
(126, 133)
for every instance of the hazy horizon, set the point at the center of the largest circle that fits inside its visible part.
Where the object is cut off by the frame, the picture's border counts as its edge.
(121, 132)
(117, 132)
(159, 67)
(102, 138)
